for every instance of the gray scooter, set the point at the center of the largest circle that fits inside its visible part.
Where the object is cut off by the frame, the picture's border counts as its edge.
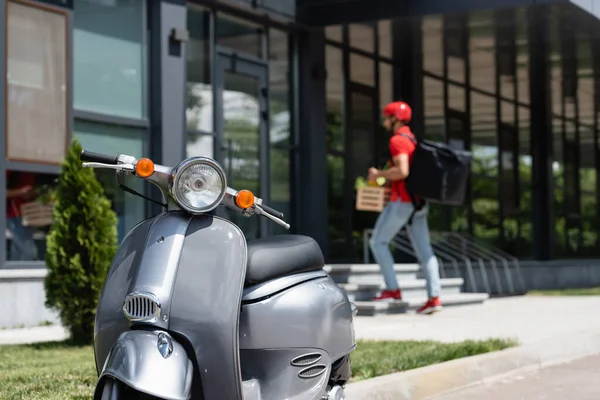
(190, 310)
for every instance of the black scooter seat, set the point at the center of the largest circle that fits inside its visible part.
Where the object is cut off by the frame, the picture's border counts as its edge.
(281, 255)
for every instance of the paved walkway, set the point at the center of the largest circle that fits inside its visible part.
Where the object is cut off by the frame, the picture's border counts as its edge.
(576, 380)
(527, 319)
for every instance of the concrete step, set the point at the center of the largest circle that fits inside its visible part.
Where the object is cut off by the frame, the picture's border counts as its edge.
(369, 273)
(411, 289)
(369, 308)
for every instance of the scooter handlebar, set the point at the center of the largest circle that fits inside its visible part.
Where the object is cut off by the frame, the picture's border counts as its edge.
(99, 158)
(272, 211)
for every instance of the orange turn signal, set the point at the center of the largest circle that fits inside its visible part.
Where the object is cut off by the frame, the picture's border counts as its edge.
(244, 199)
(144, 168)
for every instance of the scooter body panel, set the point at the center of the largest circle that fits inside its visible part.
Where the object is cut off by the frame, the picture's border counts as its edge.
(135, 361)
(194, 266)
(290, 338)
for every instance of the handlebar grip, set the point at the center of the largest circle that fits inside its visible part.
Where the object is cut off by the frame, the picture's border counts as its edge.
(96, 157)
(273, 212)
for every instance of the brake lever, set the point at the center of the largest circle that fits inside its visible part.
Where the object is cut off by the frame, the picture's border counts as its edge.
(259, 210)
(118, 167)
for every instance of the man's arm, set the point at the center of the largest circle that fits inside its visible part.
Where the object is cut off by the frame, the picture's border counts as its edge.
(399, 170)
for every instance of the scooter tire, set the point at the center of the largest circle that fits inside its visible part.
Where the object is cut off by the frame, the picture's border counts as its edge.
(114, 389)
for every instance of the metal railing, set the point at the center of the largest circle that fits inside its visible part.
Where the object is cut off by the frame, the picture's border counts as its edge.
(465, 253)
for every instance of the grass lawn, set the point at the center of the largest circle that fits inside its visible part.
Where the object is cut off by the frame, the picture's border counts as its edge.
(53, 371)
(595, 291)
(373, 359)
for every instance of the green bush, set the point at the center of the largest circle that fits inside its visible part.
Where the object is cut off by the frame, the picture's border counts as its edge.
(80, 246)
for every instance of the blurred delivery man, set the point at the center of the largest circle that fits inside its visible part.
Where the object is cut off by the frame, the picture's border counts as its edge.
(401, 212)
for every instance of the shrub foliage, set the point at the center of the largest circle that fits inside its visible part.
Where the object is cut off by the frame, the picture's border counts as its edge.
(80, 246)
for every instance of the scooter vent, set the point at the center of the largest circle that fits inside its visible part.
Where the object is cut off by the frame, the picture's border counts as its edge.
(306, 359)
(312, 372)
(141, 307)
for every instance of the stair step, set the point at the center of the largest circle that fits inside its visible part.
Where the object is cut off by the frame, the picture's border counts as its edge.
(369, 273)
(369, 308)
(368, 268)
(404, 285)
(414, 288)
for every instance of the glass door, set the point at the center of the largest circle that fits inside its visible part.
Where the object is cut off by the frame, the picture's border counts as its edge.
(242, 139)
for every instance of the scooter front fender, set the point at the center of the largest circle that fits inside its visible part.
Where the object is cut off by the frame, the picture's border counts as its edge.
(150, 362)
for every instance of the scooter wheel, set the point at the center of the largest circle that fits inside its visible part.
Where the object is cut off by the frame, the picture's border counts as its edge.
(116, 390)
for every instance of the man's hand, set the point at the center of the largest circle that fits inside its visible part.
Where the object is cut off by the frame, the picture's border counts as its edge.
(373, 174)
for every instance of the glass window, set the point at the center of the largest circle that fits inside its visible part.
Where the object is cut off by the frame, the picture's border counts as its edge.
(109, 57)
(431, 28)
(28, 214)
(386, 84)
(199, 144)
(482, 50)
(384, 30)
(336, 224)
(433, 99)
(240, 35)
(36, 77)
(108, 139)
(456, 97)
(279, 79)
(335, 95)
(362, 69)
(280, 126)
(362, 37)
(199, 110)
(334, 33)
(483, 134)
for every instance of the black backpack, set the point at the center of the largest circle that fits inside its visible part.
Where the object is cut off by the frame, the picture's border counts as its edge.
(438, 174)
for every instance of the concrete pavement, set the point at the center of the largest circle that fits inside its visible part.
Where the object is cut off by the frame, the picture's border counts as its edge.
(528, 319)
(33, 335)
(578, 380)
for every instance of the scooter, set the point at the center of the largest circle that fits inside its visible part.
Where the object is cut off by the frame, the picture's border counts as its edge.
(191, 310)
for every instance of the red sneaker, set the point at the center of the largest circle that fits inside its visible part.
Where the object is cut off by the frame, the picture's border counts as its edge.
(433, 305)
(389, 295)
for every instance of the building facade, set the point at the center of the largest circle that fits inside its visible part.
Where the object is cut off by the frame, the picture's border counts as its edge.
(287, 96)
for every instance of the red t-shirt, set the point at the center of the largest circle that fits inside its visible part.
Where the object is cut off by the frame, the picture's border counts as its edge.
(400, 144)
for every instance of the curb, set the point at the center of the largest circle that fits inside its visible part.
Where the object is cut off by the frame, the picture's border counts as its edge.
(434, 380)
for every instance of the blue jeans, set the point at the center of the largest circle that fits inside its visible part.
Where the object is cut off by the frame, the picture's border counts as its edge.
(393, 218)
(22, 245)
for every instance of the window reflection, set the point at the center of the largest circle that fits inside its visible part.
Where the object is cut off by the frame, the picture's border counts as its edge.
(362, 70)
(362, 36)
(334, 33)
(431, 27)
(384, 30)
(240, 35)
(481, 48)
(199, 111)
(29, 202)
(483, 133)
(280, 127)
(334, 93)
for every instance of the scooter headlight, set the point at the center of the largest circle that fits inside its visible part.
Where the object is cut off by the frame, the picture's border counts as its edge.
(198, 184)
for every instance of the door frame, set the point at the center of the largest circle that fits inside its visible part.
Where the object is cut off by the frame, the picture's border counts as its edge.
(349, 191)
(229, 61)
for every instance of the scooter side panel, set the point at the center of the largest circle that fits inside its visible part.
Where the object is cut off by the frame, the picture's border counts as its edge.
(278, 378)
(110, 321)
(314, 314)
(206, 302)
(301, 331)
